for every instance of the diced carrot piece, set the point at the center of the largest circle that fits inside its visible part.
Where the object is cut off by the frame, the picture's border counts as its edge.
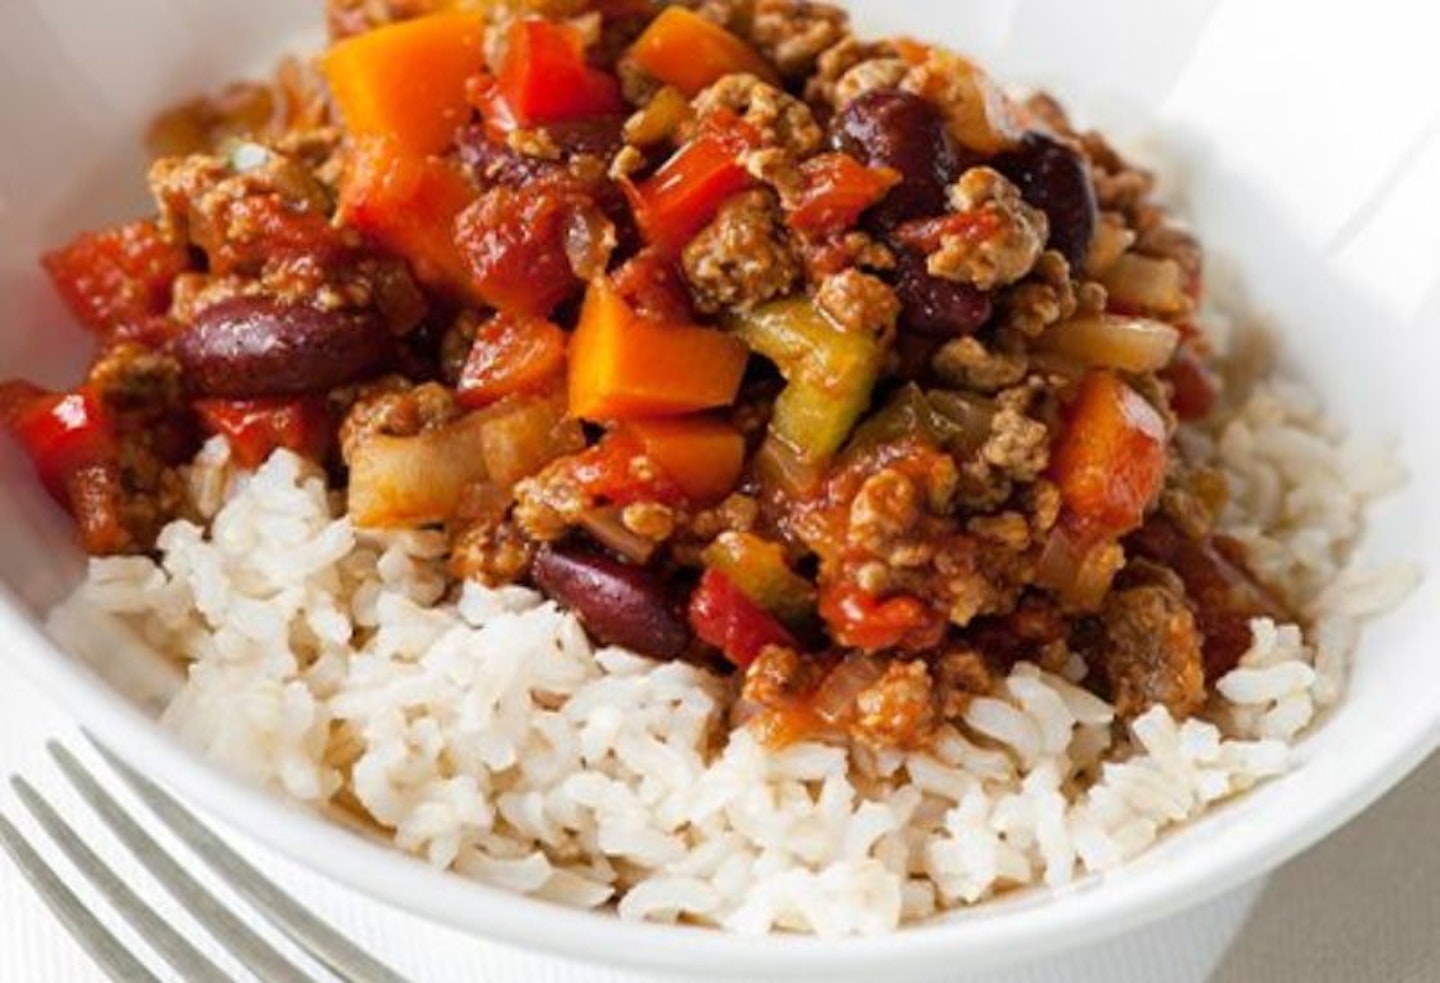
(120, 279)
(838, 190)
(703, 456)
(681, 198)
(512, 354)
(624, 367)
(406, 81)
(683, 49)
(1110, 460)
(544, 77)
(407, 204)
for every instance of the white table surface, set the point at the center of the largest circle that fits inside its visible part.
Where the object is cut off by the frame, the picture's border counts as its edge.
(1362, 908)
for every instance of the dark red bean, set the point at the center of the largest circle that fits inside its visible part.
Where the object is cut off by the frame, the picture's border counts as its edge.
(1055, 179)
(890, 128)
(255, 346)
(617, 603)
(934, 306)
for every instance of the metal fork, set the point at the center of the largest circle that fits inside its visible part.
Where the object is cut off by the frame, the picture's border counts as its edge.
(347, 961)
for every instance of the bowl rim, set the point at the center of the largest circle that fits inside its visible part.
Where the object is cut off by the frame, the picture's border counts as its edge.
(1105, 908)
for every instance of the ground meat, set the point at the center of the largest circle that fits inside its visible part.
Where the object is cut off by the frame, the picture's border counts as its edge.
(794, 34)
(1001, 237)
(743, 258)
(1018, 446)
(236, 217)
(1047, 296)
(349, 17)
(966, 363)
(868, 76)
(551, 503)
(134, 381)
(492, 551)
(859, 302)
(836, 62)
(961, 674)
(1153, 652)
(396, 408)
(885, 512)
(783, 122)
(898, 710)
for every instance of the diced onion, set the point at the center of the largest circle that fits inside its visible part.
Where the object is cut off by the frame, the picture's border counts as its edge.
(835, 700)
(415, 481)
(1112, 239)
(609, 531)
(1130, 344)
(1149, 284)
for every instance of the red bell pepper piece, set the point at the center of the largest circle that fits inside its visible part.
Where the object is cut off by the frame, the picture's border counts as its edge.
(256, 428)
(681, 198)
(859, 619)
(544, 77)
(62, 433)
(118, 280)
(723, 616)
(838, 189)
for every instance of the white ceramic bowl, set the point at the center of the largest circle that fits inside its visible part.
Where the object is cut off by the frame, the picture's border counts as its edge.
(1310, 143)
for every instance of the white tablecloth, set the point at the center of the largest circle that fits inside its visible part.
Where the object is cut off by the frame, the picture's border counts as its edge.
(1362, 908)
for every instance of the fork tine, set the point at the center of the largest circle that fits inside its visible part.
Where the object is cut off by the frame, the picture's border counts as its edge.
(257, 955)
(287, 914)
(107, 951)
(178, 951)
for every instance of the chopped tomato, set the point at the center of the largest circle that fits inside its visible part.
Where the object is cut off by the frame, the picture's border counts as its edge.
(1110, 460)
(610, 472)
(838, 189)
(544, 78)
(118, 280)
(721, 615)
(513, 243)
(256, 428)
(651, 284)
(859, 619)
(681, 198)
(928, 234)
(512, 354)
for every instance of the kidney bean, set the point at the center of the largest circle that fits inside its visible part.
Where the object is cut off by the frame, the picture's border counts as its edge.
(934, 306)
(256, 346)
(618, 604)
(1055, 179)
(890, 128)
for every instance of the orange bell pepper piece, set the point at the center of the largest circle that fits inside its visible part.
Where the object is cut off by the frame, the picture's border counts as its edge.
(623, 366)
(512, 354)
(703, 456)
(683, 49)
(408, 204)
(681, 198)
(406, 81)
(1110, 460)
(544, 77)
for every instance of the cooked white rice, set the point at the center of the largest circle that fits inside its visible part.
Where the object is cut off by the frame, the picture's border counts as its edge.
(483, 732)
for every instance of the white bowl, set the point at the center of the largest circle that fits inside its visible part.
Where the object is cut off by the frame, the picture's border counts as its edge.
(1310, 143)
